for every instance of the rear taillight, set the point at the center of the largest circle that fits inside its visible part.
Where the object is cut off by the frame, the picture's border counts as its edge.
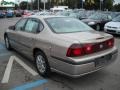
(79, 50)
(88, 48)
(74, 51)
(110, 43)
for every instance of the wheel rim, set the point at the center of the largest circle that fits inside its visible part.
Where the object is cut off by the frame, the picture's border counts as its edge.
(40, 61)
(97, 27)
(7, 42)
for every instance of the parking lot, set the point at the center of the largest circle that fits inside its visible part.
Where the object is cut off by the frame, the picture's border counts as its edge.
(22, 74)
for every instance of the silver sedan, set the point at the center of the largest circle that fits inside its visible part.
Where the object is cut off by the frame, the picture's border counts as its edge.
(61, 44)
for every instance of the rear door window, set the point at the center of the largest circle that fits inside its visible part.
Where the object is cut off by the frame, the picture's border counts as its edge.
(32, 26)
(20, 25)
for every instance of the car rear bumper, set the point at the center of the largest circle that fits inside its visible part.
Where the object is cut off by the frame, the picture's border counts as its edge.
(87, 67)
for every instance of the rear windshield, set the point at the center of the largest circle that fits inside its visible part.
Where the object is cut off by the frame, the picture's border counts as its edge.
(67, 25)
(117, 19)
(98, 16)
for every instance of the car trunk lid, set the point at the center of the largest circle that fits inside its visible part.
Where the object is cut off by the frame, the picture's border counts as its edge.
(87, 37)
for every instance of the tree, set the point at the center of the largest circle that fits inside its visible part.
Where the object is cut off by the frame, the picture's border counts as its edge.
(24, 5)
(41, 6)
(117, 7)
(72, 3)
(90, 4)
(95, 4)
(108, 4)
(16, 6)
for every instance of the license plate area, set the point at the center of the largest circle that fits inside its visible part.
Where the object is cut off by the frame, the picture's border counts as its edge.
(103, 60)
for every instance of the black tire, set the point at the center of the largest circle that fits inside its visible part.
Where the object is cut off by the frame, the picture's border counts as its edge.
(98, 27)
(40, 59)
(7, 43)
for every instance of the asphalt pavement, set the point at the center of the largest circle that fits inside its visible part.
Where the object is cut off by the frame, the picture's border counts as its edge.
(19, 73)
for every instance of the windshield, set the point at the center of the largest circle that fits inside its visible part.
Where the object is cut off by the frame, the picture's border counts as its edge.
(74, 15)
(117, 19)
(98, 16)
(64, 13)
(67, 25)
(42, 13)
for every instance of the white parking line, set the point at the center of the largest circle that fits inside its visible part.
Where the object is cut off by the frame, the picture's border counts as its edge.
(26, 67)
(8, 70)
(9, 67)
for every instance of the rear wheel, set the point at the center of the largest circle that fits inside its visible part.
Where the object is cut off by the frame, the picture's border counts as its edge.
(42, 64)
(7, 43)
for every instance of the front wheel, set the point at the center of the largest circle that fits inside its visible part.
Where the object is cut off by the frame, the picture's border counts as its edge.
(42, 64)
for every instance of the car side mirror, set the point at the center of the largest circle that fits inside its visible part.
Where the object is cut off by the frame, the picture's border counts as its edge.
(11, 27)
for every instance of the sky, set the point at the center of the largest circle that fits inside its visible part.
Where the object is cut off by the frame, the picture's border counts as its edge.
(117, 1)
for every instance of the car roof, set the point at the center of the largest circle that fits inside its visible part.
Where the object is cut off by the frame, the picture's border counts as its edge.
(43, 16)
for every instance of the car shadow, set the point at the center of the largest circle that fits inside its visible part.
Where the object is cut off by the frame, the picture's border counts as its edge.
(89, 79)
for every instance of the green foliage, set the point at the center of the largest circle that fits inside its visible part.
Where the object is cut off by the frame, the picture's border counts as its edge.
(117, 7)
(108, 4)
(95, 4)
(89, 4)
(16, 6)
(23, 5)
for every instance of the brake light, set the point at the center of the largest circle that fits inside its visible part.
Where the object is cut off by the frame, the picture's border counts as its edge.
(88, 48)
(110, 43)
(75, 50)
(79, 50)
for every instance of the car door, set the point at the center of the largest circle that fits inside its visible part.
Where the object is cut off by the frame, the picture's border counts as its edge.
(14, 35)
(27, 36)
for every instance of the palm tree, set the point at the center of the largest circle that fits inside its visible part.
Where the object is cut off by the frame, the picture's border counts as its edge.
(90, 2)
